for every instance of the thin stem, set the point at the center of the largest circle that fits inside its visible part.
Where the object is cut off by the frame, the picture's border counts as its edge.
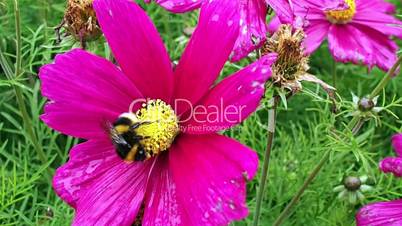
(301, 190)
(18, 39)
(265, 167)
(355, 125)
(334, 73)
(386, 79)
(19, 95)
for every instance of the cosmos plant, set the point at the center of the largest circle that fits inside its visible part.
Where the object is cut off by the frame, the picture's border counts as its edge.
(357, 31)
(142, 163)
(178, 176)
(385, 213)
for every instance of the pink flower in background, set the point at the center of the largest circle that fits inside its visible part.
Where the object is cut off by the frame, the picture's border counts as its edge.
(357, 30)
(200, 179)
(385, 213)
(253, 14)
(394, 164)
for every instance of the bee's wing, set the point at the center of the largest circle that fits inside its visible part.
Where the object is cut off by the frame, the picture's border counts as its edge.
(109, 129)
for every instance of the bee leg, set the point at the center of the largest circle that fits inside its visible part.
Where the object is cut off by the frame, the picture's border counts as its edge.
(57, 30)
(137, 124)
(147, 155)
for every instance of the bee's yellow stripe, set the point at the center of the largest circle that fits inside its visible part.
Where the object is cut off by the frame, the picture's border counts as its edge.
(122, 128)
(131, 155)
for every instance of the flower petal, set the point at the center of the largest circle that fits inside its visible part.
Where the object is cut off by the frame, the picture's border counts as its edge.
(274, 24)
(375, 5)
(115, 197)
(253, 28)
(384, 49)
(283, 9)
(207, 51)
(397, 143)
(178, 6)
(380, 214)
(162, 204)
(316, 32)
(349, 44)
(87, 162)
(137, 46)
(85, 92)
(392, 165)
(379, 21)
(209, 172)
(231, 101)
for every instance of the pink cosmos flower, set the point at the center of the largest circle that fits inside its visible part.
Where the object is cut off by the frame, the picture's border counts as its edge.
(200, 179)
(357, 30)
(385, 213)
(253, 14)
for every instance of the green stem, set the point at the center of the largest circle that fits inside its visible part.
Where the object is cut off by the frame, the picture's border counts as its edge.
(357, 124)
(386, 79)
(18, 92)
(301, 190)
(334, 75)
(265, 167)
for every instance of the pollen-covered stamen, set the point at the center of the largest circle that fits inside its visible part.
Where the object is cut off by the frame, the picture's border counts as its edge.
(291, 61)
(159, 128)
(342, 16)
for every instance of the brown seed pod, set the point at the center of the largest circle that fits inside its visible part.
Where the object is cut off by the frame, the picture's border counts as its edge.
(80, 21)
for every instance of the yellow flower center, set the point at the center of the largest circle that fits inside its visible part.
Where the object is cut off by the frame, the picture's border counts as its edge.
(342, 16)
(159, 126)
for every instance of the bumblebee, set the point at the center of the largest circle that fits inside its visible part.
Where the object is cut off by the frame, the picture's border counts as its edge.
(126, 139)
(146, 133)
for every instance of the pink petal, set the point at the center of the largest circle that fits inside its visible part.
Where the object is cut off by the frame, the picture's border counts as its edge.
(392, 165)
(375, 5)
(379, 21)
(384, 49)
(316, 32)
(178, 6)
(349, 44)
(85, 92)
(311, 9)
(231, 101)
(137, 46)
(253, 28)
(88, 161)
(283, 9)
(162, 204)
(207, 51)
(209, 173)
(116, 195)
(380, 214)
(397, 143)
(274, 24)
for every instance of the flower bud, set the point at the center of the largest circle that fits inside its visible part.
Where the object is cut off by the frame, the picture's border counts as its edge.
(365, 104)
(352, 183)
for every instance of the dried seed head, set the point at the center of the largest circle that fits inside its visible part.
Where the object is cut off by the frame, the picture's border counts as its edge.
(80, 20)
(291, 63)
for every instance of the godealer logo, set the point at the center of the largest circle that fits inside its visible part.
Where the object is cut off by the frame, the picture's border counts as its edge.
(200, 118)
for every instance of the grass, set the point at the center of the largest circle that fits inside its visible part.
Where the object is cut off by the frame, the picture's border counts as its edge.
(302, 135)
